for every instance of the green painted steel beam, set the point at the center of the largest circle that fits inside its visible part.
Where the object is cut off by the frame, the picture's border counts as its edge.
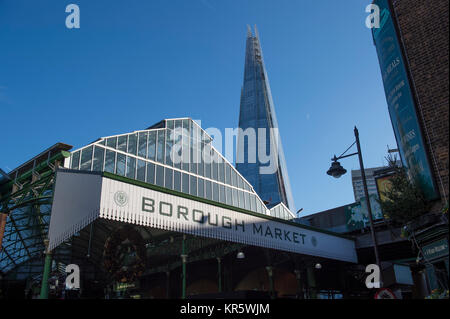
(40, 167)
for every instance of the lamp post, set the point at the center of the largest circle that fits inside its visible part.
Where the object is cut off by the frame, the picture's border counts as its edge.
(336, 170)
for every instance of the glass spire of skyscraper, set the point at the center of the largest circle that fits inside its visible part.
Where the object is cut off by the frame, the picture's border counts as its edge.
(257, 113)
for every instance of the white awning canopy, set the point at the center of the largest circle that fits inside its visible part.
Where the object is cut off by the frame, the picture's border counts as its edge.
(82, 197)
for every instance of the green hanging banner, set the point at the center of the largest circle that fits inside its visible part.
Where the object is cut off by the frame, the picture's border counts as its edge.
(401, 104)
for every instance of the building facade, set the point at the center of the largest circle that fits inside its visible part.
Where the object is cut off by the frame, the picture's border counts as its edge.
(257, 114)
(413, 51)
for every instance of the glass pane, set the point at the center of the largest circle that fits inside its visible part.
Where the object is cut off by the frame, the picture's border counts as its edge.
(208, 194)
(102, 142)
(122, 143)
(160, 147)
(177, 180)
(233, 178)
(111, 142)
(207, 158)
(222, 194)
(110, 160)
(142, 148)
(221, 166)
(185, 183)
(150, 173)
(201, 164)
(241, 199)
(227, 174)
(86, 159)
(132, 144)
(201, 187)
(120, 167)
(170, 124)
(240, 182)
(169, 144)
(151, 145)
(75, 160)
(193, 185)
(215, 192)
(140, 175)
(168, 178)
(215, 167)
(159, 175)
(131, 167)
(235, 197)
(253, 202)
(99, 153)
(186, 156)
(246, 200)
(229, 199)
(177, 143)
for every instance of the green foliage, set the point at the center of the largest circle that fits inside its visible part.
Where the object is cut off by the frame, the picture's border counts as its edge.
(405, 199)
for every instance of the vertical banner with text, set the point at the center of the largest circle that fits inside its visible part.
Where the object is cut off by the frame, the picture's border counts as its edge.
(400, 101)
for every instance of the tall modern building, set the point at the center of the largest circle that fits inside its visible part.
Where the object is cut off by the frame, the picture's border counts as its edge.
(257, 112)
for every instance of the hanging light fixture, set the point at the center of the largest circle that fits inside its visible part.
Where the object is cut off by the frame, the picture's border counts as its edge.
(240, 255)
(336, 170)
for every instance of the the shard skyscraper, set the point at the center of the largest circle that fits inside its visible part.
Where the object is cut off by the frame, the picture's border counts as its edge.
(257, 112)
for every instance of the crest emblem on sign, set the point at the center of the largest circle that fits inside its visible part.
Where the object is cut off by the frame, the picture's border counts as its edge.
(121, 198)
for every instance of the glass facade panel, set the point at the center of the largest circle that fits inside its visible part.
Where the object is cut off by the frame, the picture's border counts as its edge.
(168, 178)
(201, 187)
(110, 160)
(99, 153)
(215, 191)
(159, 175)
(111, 142)
(228, 194)
(131, 167)
(222, 197)
(241, 199)
(120, 167)
(246, 200)
(122, 143)
(177, 180)
(150, 173)
(140, 175)
(185, 183)
(75, 160)
(253, 203)
(160, 146)
(151, 155)
(235, 197)
(142, 144)
(169, 144)
(208, 191)
(86, 159)
(215, 167)
(193, 185)
(132, 144)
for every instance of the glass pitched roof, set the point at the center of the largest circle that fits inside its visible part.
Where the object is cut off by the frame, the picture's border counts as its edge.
(176, 154)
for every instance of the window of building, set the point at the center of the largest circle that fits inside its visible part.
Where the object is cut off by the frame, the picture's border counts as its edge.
(86, 159)
(99, 153)
(110, 160)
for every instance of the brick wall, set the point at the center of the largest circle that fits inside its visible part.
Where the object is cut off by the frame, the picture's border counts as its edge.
(424, 26)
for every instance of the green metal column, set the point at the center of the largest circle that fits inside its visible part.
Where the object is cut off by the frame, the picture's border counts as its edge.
(271, 285)
(311, 283)
(219, 272)
(183, 275)
(46, 272)
(298, 276)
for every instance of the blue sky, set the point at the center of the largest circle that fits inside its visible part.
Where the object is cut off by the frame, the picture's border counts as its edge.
(135, 62)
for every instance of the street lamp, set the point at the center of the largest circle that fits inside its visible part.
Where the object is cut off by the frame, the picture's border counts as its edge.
(336, 170)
